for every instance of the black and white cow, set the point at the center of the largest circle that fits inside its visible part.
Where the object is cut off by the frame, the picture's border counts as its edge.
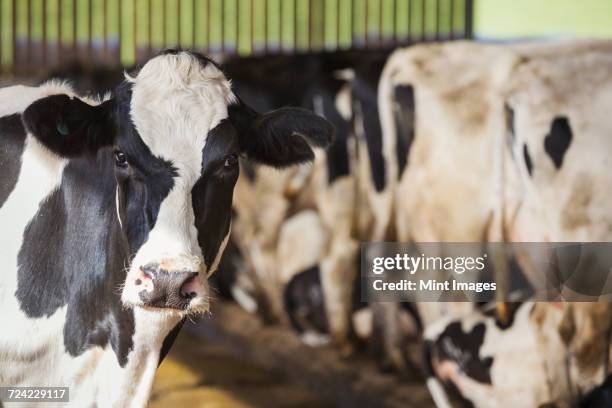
(114, 214)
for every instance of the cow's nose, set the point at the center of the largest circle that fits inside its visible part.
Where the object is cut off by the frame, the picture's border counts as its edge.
(167, 289)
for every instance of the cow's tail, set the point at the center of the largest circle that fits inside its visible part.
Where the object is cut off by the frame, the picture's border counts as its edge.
(436, 390)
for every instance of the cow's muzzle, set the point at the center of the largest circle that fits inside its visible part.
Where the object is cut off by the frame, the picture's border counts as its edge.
(162, 288)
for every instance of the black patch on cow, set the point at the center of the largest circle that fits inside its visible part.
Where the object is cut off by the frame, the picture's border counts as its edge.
(169, 340)
(304, 302)
(212, 194)
(509, 116)
(337, 154)
(70, 127)
(365, 104)
(509, 113)
(12, 141)
(512, 308)
(558, 140)
(600, 397)
(451, 389)
(282, 137)
(527, 158)
(463, 348)
(405, 123)
(73, 254)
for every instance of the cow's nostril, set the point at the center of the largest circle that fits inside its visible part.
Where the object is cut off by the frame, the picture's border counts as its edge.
(188, 287)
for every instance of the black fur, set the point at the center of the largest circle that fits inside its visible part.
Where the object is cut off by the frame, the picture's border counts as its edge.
(600, 397)
(282, 137)
(73, 254)
(12, 141)
(304, 303)
(558, 140)
(365, 102)
(405, 123)
(68, 126)
(469, 344)
(169, 340)
(212, 194)
(527, 158)
(337, 154)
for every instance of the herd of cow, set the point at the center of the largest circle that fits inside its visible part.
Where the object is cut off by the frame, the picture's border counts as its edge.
(456, 142)
(115, 212)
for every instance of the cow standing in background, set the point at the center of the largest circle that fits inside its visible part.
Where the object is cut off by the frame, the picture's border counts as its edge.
(330, 85)
(115, 213)
(502, 112)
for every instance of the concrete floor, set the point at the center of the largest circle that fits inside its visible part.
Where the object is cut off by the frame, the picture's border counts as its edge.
(200, 375)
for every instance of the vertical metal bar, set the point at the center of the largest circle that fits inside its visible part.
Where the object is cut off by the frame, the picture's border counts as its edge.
(74, 27)
(280, 25)
(237, 20)
(295, 26)
(14, 32)
(338, 22)
(310, 30)
(44, 32)
(410, 21)
(134, 32)
(150, 28)
(120, 26)
(366, 9)
(222, 27)
(59, 29)
(381, 23)
(451, 26)
(193, 24)
(252, 26)
(105, 28)
(164, 37)
(29, 34)
(395, 15)
(208, 29)
(352, 23)
(178, 23)
(265, 2)
(469, 19)
(1, 65)
(89, 29)
(423, 17)
(438, 17)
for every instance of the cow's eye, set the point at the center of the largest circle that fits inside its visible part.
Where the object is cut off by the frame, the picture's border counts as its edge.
(230, 160)
(120, 159)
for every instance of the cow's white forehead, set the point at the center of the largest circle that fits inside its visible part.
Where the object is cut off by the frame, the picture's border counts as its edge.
(176, 101)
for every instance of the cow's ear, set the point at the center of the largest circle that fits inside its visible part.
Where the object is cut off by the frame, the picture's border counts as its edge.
(281, 137)
(70, 127)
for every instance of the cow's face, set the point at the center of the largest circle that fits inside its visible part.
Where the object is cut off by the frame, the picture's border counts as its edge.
(176, 131)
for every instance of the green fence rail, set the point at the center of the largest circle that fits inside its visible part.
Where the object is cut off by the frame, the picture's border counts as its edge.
(37, 34)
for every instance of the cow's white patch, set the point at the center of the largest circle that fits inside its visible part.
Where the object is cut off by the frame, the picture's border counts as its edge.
(176, 101)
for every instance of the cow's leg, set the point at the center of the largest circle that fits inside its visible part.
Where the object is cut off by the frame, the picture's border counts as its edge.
(338, 272)
(387, 337)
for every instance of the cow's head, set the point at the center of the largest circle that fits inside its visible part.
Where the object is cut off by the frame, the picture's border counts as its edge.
(175, 131)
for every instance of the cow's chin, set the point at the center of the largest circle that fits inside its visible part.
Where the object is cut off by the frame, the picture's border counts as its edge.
(196, 307)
